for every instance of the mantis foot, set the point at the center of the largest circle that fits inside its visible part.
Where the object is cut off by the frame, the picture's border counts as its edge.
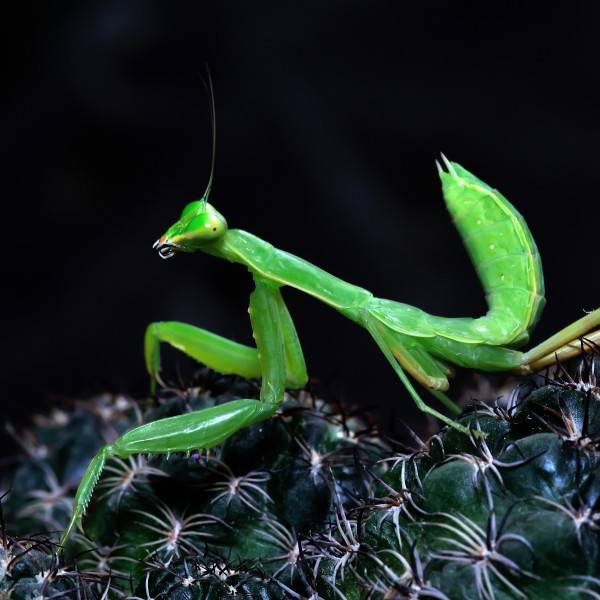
(202, 429)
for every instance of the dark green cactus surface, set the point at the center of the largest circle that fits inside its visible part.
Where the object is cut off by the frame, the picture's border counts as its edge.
(313, 504)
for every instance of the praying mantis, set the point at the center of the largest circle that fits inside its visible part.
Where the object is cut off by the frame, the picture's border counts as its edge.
(414, 342)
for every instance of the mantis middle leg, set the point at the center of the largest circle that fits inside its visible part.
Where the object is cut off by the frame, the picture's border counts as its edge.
(280, 360)
(421, 368)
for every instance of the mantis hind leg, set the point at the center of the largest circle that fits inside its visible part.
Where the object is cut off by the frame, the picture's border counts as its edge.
(408, 359)
(567, 343)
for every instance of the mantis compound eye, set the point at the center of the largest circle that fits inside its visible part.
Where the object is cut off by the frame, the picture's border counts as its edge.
(205, 227)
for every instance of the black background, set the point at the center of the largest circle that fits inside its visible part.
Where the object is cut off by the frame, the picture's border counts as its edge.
(329, 117)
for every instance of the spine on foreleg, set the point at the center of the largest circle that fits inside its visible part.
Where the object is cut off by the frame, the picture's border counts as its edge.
(503, 252)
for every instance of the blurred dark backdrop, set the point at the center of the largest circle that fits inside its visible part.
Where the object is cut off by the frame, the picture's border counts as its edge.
(330, 115)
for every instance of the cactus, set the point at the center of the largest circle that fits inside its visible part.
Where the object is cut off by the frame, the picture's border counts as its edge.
(29, 570)
(314, 504)
(512, 514)
(232, 517)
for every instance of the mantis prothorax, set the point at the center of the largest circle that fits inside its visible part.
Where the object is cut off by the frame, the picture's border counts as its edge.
(507, 262)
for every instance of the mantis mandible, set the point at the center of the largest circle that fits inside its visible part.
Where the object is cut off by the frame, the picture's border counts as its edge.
(425, 346)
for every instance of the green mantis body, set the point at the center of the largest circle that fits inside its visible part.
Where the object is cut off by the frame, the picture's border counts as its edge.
(413, 341)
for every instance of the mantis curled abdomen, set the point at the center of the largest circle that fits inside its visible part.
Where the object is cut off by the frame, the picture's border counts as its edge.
(508, 264)
(503, 253)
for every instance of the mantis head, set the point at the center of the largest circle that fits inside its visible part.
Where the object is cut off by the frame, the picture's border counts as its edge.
(200, 224)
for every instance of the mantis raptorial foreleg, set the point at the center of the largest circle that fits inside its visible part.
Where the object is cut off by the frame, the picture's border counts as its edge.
(278, 360)
(279, 352)
(218, 353)
(224, 355)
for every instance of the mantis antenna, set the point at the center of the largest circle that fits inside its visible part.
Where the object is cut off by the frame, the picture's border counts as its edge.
(213, 125)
